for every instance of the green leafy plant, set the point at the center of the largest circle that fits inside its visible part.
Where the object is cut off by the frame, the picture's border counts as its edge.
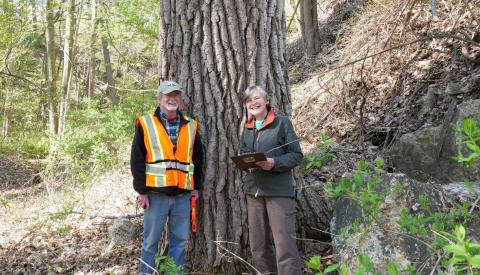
(364, 187)
(366, 267)
(413, 223)
(315, 264)
(64, 213)
(469, 134)
(64, 230)
(4, 201)
(323, 155)
(166, 265)
(421, 223)
(464, 255)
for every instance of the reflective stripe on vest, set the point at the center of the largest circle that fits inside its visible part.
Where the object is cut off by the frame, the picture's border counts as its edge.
(164, 167)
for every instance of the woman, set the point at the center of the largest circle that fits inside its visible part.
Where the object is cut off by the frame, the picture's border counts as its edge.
(270, 194)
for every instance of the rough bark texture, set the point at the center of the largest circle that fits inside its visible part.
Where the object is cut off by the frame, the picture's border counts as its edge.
(51, 76)
(215, 49)
(309, 26)
(314, 212)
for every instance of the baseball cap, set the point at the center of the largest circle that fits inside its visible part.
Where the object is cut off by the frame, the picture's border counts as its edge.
(168, 87)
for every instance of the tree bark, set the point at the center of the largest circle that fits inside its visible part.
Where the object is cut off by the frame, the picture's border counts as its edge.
(92, 60)
(215, 49)
(6, 114)
(68, 58)
(51, 76)
(309, 26)
(314, 215)
(112, 90)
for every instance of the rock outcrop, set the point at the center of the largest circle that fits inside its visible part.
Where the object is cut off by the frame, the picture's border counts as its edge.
(427, 154)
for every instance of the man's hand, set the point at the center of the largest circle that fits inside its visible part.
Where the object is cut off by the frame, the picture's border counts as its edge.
(194, 193)
(266, 165)
(142, 201)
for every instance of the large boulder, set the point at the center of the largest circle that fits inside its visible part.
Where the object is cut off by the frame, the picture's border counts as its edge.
(383, 240)
(427, 154)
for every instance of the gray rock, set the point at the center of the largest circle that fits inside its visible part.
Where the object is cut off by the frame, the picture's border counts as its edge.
(454, 88)
(458, 191)
(427, 154)
(429, 100)
(121, 231)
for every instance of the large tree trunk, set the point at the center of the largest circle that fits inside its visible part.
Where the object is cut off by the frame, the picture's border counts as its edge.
(67, 64)
(309, 26)
(51, 76)
(314, 214)
(215, 49)
(92, 60)
(112, 90)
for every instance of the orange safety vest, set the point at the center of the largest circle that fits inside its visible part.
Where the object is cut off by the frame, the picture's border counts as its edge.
(164, 167)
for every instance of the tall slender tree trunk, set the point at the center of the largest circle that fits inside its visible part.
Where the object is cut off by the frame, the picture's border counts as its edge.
(309, 26)
(215, 49)
(76, 84)
(67, 63)
(51, 76)
(92, 60)
(34, 10)
(112, 90)
(6, 114)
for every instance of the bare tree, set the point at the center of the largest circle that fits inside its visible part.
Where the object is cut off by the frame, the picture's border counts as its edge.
(112, 90)
(67, 63)
(92, 60)
(51, 76)
(6, 114)
(309, 26)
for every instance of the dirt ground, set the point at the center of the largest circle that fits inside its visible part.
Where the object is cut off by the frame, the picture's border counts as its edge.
(46, 232)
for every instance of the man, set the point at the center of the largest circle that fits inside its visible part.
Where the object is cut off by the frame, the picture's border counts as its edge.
(166, 164)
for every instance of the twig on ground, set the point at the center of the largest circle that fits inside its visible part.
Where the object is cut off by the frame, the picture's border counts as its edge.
(311, 240)
(154, 270)
(107, 217)
(218, 243)
(474, 205)
(436, 263)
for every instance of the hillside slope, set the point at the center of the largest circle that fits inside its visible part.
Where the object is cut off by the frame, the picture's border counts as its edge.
(381, 67)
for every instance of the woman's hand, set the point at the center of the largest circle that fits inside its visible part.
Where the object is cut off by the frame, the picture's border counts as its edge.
(266, 165)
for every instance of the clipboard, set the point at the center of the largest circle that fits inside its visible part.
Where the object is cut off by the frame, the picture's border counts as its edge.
(248, 160)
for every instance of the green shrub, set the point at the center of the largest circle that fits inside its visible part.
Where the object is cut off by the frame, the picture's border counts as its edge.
(363, 187)
(92, 140)
(469, 135)
(460, 255)
(26, 145)
(322, 155)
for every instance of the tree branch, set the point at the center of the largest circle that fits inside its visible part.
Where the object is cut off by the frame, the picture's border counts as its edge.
(17, 77)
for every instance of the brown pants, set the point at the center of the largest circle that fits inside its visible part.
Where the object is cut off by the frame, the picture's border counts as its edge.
(275, 216)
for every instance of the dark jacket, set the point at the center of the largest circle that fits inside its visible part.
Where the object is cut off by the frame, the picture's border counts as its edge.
(139, 152)
(275, 131)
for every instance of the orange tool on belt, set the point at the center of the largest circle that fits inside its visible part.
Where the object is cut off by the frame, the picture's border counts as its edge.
(193, 204)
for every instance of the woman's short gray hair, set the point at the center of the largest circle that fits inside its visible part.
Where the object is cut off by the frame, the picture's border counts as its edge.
(252, 89)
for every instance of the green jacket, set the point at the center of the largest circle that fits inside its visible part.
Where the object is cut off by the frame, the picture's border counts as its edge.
(275, 131)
